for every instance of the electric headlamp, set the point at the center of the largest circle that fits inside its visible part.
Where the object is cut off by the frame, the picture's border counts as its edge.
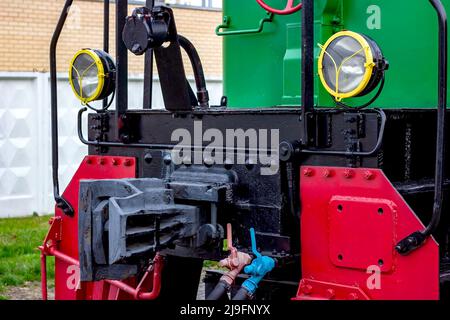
(351, 65)
(92, 75)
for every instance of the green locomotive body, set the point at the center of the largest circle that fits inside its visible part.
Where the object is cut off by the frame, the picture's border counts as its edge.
(264, 69)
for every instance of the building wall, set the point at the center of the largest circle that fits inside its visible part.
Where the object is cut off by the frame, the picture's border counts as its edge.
(26, 27)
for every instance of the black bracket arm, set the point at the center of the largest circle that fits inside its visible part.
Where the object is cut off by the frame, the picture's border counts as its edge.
(155, 29)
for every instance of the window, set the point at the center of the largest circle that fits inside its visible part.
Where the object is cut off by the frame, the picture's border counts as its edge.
(212, 4)
(197, 3)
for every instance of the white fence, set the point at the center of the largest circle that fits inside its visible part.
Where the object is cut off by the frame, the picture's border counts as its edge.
(25, 140)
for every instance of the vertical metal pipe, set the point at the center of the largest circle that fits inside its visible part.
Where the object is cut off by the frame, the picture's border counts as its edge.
(307, 71)
(105, 36)
(441, 113)
(148, 70)
(62, 203)
(44, 275)
(418, 238)
(122, 63)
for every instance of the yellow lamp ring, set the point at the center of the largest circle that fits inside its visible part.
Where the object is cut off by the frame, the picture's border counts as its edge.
(106, 69)
(374, 65)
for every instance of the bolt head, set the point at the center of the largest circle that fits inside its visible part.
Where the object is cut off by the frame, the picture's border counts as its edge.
(249, 163)
(307, 289)
(148, 158)
(353, 296)
(308, 172)
(187, 161)
(228, 164)
(209, 162)
(369, 175)
(348, 174)
(330, 293)
(167, 159)
(327, 173)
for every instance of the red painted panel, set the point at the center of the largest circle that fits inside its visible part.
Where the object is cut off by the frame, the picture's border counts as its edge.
(364, 235)
(67, 285)
(361, 232)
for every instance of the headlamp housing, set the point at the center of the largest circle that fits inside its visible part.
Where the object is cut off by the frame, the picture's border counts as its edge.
(351, 65)
(92, 75)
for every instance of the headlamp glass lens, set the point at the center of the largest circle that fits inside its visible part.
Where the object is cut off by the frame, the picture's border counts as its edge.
(346, 56)
(85, 76)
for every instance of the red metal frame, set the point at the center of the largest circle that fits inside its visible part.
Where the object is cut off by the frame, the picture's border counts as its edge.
(351, 221)
(62, 242)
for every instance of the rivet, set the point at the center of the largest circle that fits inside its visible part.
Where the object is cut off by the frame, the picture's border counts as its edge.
(352, 296)
(209, 162)
(348, 174)
(307, 288)
(369, 175)
(330, 293)
(88, 161)
(101, 161)
(327, 173)
(127, 163)
(249, 163)
(167, 160)
(187, 161)
(148, 158)
(228, 164)
(308, 172)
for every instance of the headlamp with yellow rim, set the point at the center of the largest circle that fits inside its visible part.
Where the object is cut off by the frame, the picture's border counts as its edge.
(351, 65)
(92, 75)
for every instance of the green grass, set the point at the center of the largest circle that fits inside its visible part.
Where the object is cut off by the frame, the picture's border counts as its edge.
(19, 257)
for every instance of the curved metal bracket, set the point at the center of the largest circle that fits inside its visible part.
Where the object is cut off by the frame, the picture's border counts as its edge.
(227, 21)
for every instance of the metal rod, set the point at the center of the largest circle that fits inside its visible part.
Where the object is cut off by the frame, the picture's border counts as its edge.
(60, 201)
(156, 286)
(307, 71)
(105, 37)
(148, 70)
(136, 293)
(416, 239)
(44, 276)
(122, 64)
(441, 123)
(226, 25)
(152, 146)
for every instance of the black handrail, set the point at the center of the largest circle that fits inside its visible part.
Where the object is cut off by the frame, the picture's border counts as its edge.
(61, 203)
(105, 37)
(148, 69)
(307, 71)
(122, 69)
(416, 239)
(151, 146)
